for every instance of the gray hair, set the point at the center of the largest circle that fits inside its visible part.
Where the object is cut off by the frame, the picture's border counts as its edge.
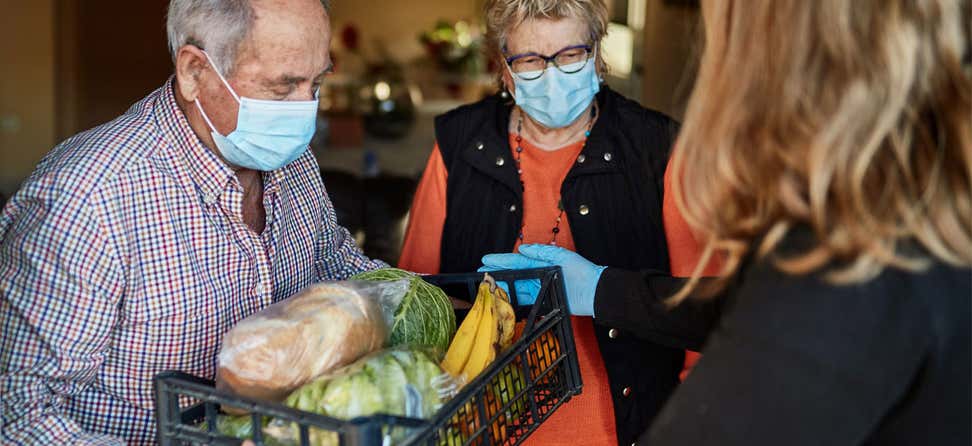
(503, 15)
(218, 26)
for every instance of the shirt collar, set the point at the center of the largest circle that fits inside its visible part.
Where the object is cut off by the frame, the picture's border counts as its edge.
(210, 174)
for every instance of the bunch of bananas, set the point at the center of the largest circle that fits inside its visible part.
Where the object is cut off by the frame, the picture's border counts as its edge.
(485, 332)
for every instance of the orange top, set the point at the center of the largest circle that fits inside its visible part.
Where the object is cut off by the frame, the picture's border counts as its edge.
(543, 173)
(683, 252)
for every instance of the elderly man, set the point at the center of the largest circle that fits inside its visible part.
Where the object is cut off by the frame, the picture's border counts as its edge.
(135, 245)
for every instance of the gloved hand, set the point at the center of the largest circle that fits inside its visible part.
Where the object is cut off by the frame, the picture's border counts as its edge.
(526, 290)
(580, 275)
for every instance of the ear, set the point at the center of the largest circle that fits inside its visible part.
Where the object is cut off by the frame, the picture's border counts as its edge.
(189, 66)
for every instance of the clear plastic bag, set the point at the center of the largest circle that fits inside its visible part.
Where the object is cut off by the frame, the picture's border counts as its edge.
(290, 343)
(397, 381)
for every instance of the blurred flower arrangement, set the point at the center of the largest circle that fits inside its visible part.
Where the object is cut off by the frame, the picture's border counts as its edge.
(455, 47)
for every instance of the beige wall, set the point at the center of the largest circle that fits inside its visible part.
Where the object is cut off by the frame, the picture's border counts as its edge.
(670, 46)
(26, 88)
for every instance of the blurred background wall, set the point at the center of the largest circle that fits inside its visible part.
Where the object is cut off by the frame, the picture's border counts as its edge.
(69, 65)
(27, 122)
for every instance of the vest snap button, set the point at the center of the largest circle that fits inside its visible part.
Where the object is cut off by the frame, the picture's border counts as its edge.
(581, 158)
(480, 146)
(500, 161)
(626, 391)
(608, 157)
(584, 210)
(512, 208)
(613, 333)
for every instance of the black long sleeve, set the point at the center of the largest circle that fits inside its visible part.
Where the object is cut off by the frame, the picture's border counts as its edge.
(798, 361)
(634, 301)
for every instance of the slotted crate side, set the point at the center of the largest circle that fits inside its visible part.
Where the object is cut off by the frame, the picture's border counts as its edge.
(502, 406)
(526, 384)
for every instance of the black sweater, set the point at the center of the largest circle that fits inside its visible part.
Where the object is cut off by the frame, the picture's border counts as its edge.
(795, 360)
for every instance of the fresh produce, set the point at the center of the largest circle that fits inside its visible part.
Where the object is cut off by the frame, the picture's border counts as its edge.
(390, 381)
(410, 380)
(425, 317)
(542, 353)
(485, 332)
(393, 381)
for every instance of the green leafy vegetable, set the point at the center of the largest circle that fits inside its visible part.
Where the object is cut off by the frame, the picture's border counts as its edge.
(425, 316)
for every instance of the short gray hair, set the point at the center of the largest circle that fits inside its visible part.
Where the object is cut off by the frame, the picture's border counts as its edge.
(503, 15)
(218, 26)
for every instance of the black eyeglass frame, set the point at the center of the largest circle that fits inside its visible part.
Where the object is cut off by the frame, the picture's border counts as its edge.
(552, 59)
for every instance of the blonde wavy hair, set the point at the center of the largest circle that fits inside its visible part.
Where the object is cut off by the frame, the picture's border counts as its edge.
(504, 15)
(850, 117)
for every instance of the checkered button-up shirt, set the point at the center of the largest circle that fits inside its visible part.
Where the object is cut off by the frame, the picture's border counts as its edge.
(125, 254)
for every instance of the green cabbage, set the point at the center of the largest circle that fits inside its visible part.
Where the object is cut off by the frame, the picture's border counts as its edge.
(425, 317)
(394, 381)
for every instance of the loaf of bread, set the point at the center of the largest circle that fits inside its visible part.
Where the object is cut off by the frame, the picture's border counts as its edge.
(275, 351)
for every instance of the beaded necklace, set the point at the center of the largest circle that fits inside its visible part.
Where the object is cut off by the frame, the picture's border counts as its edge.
(519, 169)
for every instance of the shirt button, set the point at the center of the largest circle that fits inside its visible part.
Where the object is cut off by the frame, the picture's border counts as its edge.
(259, 288)
(626, 391)
(512, 208)
(608, 157)
(209, 198)
(584, 210)
(581, 158)
(500, 161)
(613, 333)
(480, 146)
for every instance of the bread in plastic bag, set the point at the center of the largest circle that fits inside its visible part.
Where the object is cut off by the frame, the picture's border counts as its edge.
(290, 343)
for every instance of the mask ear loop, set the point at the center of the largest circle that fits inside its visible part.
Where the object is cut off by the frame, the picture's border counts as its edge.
(206, 118)
(221, 78)
(213, 64)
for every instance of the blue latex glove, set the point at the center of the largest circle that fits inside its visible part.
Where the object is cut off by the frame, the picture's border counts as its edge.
(580, 275)
(526, 290)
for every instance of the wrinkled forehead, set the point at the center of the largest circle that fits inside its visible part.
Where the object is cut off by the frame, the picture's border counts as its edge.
(292, 40)
(546, 36)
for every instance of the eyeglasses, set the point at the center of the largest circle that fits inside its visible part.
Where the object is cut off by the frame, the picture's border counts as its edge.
(530, 66)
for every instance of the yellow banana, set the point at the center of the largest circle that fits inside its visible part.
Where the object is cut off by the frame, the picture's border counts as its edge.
(462, 343)
(505, 317)
(484, 347)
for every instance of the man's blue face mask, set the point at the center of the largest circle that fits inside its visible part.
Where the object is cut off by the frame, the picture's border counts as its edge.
(269, 134)
(557, 99)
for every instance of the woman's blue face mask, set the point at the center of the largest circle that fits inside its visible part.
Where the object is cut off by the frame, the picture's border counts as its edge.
(269, 134)
(556, 99)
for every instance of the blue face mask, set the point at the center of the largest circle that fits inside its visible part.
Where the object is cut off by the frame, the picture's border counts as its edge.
(269, 134)
(557, 99)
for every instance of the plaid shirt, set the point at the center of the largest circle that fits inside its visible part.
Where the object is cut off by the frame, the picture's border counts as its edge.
(125, 254)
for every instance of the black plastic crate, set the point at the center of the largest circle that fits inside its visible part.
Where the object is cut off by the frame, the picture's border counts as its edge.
(502, 406)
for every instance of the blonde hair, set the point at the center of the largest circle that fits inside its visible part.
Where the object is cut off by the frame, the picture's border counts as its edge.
(504, 15)
(852, 118)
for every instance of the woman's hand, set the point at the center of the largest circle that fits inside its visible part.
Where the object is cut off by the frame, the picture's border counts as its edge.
(580, 275)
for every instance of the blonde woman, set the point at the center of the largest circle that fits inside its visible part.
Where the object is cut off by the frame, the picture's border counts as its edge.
(561, 160)
(827, 153)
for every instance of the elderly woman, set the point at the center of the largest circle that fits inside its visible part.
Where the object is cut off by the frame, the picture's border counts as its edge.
(566, 162)
(833, 169)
